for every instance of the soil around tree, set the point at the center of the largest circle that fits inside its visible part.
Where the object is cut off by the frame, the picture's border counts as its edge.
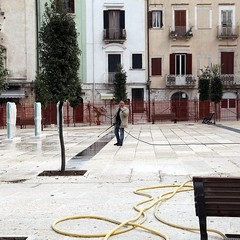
(53, 173)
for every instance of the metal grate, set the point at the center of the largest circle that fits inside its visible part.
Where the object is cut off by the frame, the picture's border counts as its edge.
(232, 236)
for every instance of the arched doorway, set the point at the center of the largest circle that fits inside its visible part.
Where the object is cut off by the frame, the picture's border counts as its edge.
(179, 105)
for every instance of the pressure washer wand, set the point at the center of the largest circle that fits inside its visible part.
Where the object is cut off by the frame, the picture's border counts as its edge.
(105, 130)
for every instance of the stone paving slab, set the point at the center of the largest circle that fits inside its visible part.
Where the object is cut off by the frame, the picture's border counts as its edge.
(165, 154)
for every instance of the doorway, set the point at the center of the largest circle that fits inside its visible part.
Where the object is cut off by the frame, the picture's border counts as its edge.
(137, 100)
(179, 105)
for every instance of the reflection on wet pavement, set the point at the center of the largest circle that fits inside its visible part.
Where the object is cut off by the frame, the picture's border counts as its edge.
(89, 152)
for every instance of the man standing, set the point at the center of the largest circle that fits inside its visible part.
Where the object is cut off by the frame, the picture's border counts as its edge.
(121, 122)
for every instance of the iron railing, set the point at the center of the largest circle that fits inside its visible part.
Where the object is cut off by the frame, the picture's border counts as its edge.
(228, 32)
(180, 32)
(114, 35)
(180, 80)
(109, 77)
(230, 79)
(84, 114)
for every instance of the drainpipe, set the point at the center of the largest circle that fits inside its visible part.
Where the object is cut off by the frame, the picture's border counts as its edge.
(148, 64)
(93, 53)
(37, 7)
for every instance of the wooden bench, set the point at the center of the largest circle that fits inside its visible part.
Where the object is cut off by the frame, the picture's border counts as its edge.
(209, 118)
(164, 116)
(23, 122)
(216, 196)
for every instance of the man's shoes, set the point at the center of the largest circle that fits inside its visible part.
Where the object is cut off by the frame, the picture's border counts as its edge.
(117, 144)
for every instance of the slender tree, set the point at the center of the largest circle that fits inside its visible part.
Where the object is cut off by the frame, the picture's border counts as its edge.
(75, 100)
(204, 84)
(59, 60)
(216, 85)
(3, 72)
(210, 85)
(119, 83)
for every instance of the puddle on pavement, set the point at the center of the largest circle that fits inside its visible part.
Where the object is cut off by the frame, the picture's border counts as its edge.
(89, 152)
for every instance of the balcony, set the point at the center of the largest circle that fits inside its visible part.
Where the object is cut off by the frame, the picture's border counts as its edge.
(180, 81)
(180, 33)
(230, 81)
(227, 32)
(114, 35)
(109, 77)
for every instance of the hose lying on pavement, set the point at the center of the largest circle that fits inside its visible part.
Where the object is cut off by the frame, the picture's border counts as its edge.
(132, 223)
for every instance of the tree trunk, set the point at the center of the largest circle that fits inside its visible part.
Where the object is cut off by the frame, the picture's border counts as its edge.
(74, 116)
(215, 115)
(63, 166)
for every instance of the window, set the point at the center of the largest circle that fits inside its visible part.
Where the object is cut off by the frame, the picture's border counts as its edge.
(226, 17)
(155, 19)
(181, 64)
(180, 21)
(114, 24)
(204, 14)
(69, 5)
(137, 61)
(227, 62)
(156, 66)
(113, 61)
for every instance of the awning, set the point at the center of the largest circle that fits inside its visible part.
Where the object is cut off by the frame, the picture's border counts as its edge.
(106, 96)
(18, 93)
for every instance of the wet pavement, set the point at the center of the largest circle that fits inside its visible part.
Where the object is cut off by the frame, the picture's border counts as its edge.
(89, 152)
(152, 155)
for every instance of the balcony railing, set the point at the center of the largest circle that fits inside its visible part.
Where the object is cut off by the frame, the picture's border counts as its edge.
(114, 35)
(180, 33)
(180, 81)
(228, 32)
(109, 77)
(230, 80)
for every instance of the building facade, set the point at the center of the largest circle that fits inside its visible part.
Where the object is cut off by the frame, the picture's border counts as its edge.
(115, 36)
(162, 46)
(18, 39)
(187, 37)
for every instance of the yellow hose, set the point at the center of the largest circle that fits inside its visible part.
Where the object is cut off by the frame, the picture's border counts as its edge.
(132, 223)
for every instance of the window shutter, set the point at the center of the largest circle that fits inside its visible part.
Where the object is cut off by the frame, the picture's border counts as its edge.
(122, 19)
(229, 20)
(172, 63)
(227, 62)
(71, 6)
(150, 19)
(105, 19)
(224, 18)
(189, 64)
(156, 66)
(161, 19)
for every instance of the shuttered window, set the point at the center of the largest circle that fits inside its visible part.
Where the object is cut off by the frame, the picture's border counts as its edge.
(227, 62)
(114, 19)
(137, 61)
(155, 19)
(69, 5)
(178, 64)
(156, 66)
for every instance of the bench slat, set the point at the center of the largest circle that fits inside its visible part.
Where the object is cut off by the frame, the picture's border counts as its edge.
(216, 196)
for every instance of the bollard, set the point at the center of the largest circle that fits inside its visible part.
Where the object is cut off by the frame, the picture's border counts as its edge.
(11, 120)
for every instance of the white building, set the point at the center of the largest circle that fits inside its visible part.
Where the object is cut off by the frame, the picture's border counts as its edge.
(18, 39)
(115, 34)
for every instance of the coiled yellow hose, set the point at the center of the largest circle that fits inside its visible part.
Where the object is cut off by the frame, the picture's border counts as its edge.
(132, 223)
